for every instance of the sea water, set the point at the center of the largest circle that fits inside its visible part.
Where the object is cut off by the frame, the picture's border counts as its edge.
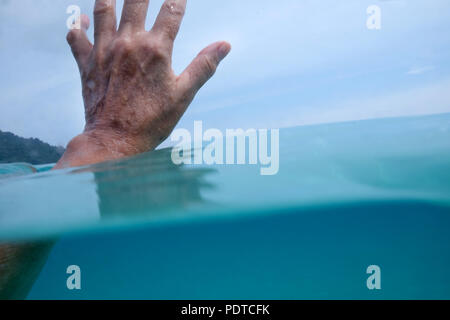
(347, 196)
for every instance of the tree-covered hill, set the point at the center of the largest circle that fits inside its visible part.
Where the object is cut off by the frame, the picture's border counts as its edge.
(34, 151)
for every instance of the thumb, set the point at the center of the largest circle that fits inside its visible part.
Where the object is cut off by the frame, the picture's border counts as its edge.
(202, 68)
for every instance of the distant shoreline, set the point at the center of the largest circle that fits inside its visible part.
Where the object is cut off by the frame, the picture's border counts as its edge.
(15, 149)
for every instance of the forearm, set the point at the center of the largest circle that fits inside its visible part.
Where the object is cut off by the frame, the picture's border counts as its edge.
(20, 265)
(133, 99)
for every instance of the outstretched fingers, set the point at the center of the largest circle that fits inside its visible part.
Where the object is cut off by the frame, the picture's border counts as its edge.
(134, 14)
(202, 69)
(105, 23)
(79, 42)
(169, 19)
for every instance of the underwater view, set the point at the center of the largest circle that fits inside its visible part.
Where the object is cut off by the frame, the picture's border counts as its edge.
(349, 195)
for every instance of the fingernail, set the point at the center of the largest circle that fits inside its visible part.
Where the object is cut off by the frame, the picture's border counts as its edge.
(224, 49)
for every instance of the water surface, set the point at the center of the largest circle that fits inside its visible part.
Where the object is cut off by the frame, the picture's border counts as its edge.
(347, 195)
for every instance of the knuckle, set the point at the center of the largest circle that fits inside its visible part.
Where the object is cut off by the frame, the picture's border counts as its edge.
(100, 55)
(209, 65)
(156, 48)
(174, 7)
(123, 45)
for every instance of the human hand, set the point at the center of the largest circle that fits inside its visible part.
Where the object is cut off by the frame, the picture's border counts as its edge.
(132, 97)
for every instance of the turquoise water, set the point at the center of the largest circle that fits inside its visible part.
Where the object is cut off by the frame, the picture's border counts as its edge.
(347, 196)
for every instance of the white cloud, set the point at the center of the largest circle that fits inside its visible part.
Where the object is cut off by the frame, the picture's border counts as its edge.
(430, 99)
(419, 70)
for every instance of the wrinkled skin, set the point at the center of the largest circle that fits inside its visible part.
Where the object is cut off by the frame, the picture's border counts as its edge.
(132, 97)
(132, 101)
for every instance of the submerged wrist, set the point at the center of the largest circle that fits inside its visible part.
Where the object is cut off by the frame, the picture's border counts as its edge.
(97, 146)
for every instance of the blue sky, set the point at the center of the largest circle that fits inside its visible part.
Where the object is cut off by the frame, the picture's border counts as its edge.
(294, 62)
